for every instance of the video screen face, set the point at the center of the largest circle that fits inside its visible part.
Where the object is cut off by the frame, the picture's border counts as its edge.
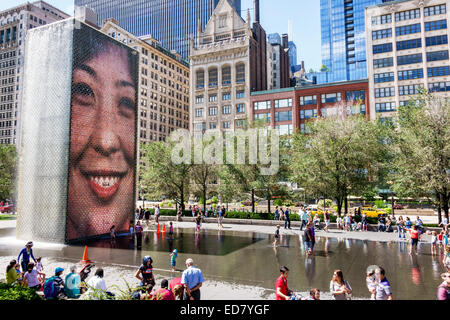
(101, 186)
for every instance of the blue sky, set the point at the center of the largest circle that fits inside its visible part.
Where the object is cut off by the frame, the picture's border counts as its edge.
(275, 14)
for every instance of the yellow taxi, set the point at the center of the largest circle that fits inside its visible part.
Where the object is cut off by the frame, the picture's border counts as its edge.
(372, 212)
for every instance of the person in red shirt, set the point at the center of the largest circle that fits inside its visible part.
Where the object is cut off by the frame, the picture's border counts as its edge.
(177, 288)
(163, 293)
(415, 234)
(282, 290)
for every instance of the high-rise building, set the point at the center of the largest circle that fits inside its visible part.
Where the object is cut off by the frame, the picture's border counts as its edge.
(343, 40)
(278, 57)
(163, 85)
(407, 49)
(292, 55)
(14, 24)
(171, 22)
(228, 61)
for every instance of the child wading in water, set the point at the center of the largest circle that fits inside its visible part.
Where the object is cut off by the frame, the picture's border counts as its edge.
(434, 242)
(277, 236)
(173, 259)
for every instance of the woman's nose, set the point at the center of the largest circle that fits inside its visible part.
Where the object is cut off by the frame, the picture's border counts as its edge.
(105, 139)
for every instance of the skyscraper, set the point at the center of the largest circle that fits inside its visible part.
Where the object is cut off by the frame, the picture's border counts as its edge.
(343, 39)
(171, 22)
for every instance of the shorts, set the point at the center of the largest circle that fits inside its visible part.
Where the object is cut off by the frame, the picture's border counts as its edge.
(414, 242)
(309, 246)
(327, 222)
(173, 263)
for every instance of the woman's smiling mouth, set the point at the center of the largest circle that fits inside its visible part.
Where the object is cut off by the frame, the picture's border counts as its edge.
(104, 184)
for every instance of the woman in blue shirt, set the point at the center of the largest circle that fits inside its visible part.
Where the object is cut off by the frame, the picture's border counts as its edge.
(26, 253)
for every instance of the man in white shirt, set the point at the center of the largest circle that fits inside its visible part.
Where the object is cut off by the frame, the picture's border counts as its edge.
(97, 286)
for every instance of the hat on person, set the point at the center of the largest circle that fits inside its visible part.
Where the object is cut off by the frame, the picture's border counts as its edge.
(164, 283)
(175, 251)
(29, 243)
(58, 270)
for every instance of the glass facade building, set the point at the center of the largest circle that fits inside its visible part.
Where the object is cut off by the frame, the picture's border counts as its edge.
(172, 22)
(343, 39)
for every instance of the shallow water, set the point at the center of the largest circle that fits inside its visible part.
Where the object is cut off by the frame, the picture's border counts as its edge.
(250, 259)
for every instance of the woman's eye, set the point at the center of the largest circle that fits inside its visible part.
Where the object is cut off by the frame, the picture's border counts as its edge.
(83, 93)
(127, 106)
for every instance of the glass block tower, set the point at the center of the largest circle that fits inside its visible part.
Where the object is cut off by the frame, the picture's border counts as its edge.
(171, 22)
(344, 39)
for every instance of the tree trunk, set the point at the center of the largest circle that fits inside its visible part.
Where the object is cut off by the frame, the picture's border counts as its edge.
(253, 200)
(204, 199)
(268, 203)
(346, 204)
(439, 209)
(445, 206)
(339, 205)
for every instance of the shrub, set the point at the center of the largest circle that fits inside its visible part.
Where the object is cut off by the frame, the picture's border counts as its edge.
(328, 203)
(17, 292)
(278, 202)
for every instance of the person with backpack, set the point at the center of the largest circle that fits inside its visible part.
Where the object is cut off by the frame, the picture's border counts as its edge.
(54, 286)
(443, 293)
(72, 284)
(145, 274)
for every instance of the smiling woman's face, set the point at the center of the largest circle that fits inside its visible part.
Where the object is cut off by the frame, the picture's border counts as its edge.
(102, 146)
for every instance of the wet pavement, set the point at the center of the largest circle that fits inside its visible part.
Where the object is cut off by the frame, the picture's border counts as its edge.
(240, 263)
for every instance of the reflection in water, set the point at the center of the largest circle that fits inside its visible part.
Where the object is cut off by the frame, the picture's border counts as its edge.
(415, 270)
(310, 270)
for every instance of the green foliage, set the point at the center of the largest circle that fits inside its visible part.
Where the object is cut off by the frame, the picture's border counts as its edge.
(278, 202)
(8, 163)
(328, 203)
(388, 210)
(380, 204)
(17, 292)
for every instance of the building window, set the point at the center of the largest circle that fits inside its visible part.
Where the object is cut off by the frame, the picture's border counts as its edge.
(384, 92)
(409, 44)
(226, 124)
(212, 77)
(200, 126)
(240, 94)
(331, 97)
(355, 95)
(385, 107)
(213, 98)
(439, 71)
(308, 100)
(285, 129)
(226, 75)
(199, 112)
(240, 73)
(264, 117)
(213, 125)
(308, 114)
(437, 55)
(434, 10)
(410, 74)
(435, 25)
(383, 63)
(407, 15)
(213, 111)
(439, 87)
(381, 48)
(387, 18)
(283, 103)
(226, 96)
(382, 34)
(261, 105)
(409, 59)
(240, 108)
(384, 77)
(199, 99)
(409, 29)
(241, 123)
(409, 90)
(283, 116)
(226, 110)
(200, 79)
(437, 40)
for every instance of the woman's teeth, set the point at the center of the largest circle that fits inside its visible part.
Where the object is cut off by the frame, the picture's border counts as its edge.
(105, 182)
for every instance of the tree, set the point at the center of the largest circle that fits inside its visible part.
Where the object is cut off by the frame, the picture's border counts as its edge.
(340, 154)
(161, 176)
(8, 167)
(421, 149)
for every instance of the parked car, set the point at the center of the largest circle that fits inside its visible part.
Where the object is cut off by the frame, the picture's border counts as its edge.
(372, 212)
(8, 208)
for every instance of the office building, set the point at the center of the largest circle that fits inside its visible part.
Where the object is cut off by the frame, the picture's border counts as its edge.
(227, 62)
(292, 55)
(171, 22)
(278, 54)
(343, 40)
(288, 110)
(163, 97)
(407, 49)
(14, 24)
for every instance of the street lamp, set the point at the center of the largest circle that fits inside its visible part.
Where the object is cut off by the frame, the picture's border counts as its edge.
(390, 183)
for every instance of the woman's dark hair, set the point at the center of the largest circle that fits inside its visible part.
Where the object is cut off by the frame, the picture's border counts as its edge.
(11, 265)
(88, 43)
(313, 292)
(99, 272)
(382, 271)
(30, 266)
(340, 275)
